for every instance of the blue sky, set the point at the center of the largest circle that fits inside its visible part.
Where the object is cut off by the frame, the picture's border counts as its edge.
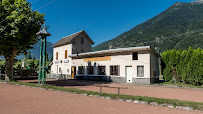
(101, 19)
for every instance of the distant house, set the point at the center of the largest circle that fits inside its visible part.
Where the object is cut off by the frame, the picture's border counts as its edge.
(72, 57)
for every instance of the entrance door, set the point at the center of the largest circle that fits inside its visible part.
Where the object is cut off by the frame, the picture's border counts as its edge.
(73, 72)
(57, 69)
(129, 74)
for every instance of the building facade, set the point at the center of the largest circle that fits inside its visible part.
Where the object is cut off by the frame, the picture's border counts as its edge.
(123, 65)
(75, 43)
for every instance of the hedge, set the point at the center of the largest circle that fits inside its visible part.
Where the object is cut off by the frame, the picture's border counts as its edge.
(184, 65)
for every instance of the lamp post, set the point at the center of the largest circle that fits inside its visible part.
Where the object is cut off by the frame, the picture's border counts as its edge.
(42, 62)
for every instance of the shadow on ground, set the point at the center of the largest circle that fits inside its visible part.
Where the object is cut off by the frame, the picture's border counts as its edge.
(68, 82)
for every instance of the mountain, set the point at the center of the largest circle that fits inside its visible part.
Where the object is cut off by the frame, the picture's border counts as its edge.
(178, 27)
(36, 51)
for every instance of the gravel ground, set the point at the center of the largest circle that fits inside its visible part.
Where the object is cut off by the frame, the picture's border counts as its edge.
(25, 100)
(187, 94)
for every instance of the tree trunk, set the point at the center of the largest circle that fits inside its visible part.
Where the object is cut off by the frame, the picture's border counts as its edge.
(9, 66)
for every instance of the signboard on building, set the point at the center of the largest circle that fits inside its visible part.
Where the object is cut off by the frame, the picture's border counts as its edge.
(56, 62)
(66, 61)
(106, 58)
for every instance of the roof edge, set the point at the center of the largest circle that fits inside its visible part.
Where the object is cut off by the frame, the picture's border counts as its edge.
(148, 48)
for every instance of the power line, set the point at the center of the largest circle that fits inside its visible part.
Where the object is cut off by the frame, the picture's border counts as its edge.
(29, 14)
(33, 2)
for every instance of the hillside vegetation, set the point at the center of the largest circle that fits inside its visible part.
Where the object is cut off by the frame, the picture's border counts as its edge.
(178, 27)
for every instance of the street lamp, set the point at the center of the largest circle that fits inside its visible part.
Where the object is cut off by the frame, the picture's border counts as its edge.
(42, 62)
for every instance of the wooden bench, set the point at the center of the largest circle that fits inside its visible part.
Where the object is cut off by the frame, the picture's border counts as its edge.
(97, 85)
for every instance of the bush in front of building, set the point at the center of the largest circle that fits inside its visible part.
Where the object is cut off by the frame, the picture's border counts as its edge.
(184, 66)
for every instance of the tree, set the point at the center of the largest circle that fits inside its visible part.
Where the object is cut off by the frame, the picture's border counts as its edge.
(30, 63)
(34, 57)
(2, 66)
(18, 28)
(26, 56)
(51, 58)
(29, 55)
(17, 65)
(36, 64)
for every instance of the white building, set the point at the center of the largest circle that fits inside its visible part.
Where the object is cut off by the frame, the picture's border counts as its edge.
(72, 57)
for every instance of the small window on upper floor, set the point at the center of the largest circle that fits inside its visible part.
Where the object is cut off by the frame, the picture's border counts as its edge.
(82, 40)
(56, 55)
(135, 56)
(66, 54)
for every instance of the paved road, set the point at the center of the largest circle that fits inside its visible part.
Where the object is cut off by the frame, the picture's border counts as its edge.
(25, 100)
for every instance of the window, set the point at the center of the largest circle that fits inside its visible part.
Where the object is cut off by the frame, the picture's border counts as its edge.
(114, 70)
(82, 40)
(66, 54)
(56, 55)
(90, 69)
(81, 69)
(101, 70)
(135, 56)
(140, 71)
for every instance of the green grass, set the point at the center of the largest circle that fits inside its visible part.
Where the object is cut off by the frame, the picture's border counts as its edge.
(194, 105)
(180, 85)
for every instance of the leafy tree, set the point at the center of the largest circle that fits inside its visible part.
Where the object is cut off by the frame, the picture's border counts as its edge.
(26, 57)
(30, 63)
(51, 58)
(29, 55)
(34, 57)
(18, 31)
(17, 65)
(36, 64)
(2, 64)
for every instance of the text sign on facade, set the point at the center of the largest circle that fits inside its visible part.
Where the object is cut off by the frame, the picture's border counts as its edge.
(106, 58)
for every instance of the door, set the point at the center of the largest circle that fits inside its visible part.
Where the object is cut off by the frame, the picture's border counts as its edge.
(57, 69)
(73, 72)
(129, 74)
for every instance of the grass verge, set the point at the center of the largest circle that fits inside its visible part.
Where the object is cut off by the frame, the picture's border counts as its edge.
(180, 85)
(174, 102)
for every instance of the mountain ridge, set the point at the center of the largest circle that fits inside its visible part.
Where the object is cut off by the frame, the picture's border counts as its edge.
(178, 19)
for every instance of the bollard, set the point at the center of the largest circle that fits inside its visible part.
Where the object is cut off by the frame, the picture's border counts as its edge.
(118, 91)
(100, 89)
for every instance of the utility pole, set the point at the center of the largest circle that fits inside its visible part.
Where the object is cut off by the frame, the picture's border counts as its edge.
(42, 62)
